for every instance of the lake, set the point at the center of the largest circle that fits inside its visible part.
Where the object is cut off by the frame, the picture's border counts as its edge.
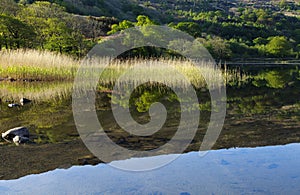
(256, 151)
(263, 170)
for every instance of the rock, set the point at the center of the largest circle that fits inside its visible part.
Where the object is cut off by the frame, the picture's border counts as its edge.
(288, 107)
(11, 79)
(13, 105)
(89, 160)
(16, 135)
(19, 140)
(24, 101)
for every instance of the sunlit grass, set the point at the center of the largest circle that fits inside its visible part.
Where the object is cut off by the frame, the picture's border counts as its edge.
(171, 72)
(37, 65)
(33, 65)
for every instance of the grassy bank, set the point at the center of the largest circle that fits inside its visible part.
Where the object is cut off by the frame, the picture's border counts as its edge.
(36, 65)
(33, 65)
(171, 72)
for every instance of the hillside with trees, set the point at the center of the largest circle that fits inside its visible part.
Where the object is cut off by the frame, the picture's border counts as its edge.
(228, 29)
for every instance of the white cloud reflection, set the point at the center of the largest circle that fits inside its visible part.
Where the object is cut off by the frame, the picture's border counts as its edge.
(265, 170)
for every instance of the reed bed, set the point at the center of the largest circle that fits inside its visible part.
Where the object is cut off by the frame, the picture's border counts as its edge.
(34, 65)
(173, 73)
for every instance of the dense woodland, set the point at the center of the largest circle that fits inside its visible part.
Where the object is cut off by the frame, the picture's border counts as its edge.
(228, 29)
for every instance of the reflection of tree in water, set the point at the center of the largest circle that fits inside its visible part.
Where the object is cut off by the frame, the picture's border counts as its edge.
(144, 96)
(148, 97)
(46, 120)
(277, 79)
(265, 91)
(271, 89)
(249, 105)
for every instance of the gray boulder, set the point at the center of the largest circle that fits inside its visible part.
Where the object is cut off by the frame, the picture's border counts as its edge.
(16, 135)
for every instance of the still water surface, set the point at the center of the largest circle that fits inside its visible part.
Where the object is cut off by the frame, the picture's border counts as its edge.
(264, 170)
(250, 156)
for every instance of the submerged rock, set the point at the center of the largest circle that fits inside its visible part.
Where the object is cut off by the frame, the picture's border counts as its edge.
(24, 101)
(19, 140)
(13, 105)
(16, 135)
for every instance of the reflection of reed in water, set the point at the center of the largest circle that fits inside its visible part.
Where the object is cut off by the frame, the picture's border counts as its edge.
(45, 66)
(37, 91)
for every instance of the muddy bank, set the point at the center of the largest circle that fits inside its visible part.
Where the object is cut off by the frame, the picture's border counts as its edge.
(18, 161)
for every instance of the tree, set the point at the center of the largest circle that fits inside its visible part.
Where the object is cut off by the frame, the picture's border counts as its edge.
(144, 21)
(58, 36)
(121, 26)
(283, 4)
(263, 17)
(15, 33)
(260, 41)
(191, 28)
(218, 48)
(141, 21)
(44, 9)
(54, 28)
(279, 46)
(193, 49)
(9, 7)
(38, 15)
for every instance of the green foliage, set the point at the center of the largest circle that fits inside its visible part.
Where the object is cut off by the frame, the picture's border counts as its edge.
(273, 79)
(279, 46)
(245, 31)
(144, 21)
(41, 16)
(218, 48)
(8, 7)
(191, 28)
(121, 26)
(144, 102)
(15, 33)
(141, 20)
(55, 30)
(260, 41)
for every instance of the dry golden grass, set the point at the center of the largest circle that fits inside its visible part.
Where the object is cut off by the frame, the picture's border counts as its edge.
(171, 72)
(37, 65)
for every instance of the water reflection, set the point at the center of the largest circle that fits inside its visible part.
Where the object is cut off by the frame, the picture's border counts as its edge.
(36, 91)
(263, 108)
(266, 170)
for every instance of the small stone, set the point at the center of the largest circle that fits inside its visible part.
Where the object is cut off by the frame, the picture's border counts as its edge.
(13, 105)
(11, 79)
